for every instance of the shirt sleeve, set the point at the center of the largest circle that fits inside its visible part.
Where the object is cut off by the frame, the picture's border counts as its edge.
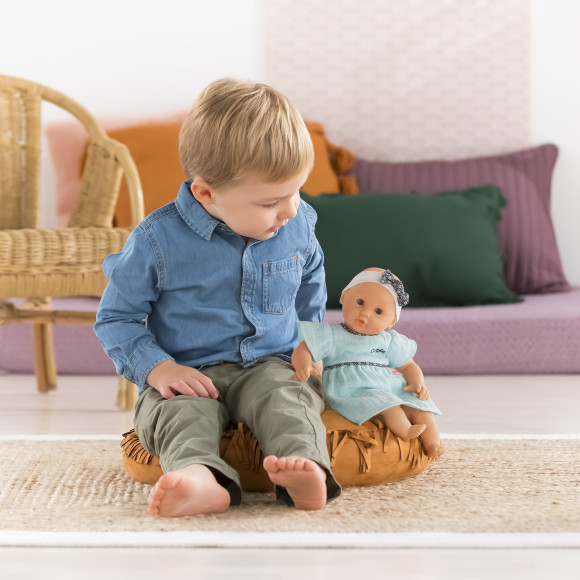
(126, 302)
(311, 296)
(318, 338)
(400, 350)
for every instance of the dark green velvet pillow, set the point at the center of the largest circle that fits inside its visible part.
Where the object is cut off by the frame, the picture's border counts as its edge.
(444, 247)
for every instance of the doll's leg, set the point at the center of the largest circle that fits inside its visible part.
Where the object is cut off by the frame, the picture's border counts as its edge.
(430, 437)
(398, 422)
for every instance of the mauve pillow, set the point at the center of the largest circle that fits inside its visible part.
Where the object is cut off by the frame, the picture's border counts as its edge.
(532, 262)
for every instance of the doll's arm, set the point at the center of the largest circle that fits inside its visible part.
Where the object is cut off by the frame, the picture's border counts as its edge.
(413, 375)
(317, 366)
(302, 362)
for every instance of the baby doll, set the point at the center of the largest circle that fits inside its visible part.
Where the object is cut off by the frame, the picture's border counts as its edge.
(358, 356)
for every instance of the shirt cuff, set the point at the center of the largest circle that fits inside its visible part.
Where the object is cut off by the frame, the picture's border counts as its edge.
(143, 363)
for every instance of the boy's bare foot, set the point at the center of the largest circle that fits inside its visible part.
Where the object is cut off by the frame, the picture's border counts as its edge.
(435, 450)
(414, 431)
(304, 479)
(188, 492)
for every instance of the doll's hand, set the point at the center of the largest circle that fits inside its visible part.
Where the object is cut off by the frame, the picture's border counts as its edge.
(303, 373)
(171, 379)
(421, 390)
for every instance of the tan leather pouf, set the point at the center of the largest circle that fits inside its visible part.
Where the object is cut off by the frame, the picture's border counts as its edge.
(360, 455)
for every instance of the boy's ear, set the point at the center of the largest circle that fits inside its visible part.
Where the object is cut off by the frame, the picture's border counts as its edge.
(202, 191)
(341, 297)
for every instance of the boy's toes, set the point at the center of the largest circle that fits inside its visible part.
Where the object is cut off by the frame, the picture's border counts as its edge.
(271, 464)
(297, 464)
(155, 497)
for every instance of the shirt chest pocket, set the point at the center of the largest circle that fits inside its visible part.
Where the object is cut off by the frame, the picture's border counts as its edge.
(281, 280)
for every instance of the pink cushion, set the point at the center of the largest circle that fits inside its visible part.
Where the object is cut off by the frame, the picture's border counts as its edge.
(67, 141)
(526, 234)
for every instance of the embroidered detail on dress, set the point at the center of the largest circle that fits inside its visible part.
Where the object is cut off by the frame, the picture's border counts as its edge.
(356, 364)
(354, 331)
(378, 350)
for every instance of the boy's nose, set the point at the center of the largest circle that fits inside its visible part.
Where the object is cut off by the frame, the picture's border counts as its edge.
(288, 212)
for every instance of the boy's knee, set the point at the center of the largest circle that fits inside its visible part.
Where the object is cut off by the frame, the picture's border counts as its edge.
(295, 395)
(177, 410)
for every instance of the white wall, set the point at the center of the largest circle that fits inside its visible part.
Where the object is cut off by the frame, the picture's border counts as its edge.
(140, 57)
(555, 115)
(406, 80)
(131, 57)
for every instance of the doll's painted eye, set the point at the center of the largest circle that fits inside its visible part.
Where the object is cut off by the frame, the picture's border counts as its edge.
(378, 311)
(360, 301)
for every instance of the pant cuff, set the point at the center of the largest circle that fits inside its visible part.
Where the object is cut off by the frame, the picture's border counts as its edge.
(229, 485)
(333, 490)
(232, 486)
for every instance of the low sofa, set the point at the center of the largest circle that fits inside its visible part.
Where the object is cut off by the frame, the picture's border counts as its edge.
(538, 335)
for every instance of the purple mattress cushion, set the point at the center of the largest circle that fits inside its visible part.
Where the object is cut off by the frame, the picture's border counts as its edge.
(532, 262)
(537, 336)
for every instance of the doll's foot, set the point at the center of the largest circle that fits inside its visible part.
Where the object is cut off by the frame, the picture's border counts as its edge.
(188, 492)
(413, 432)
(435, 450)
(304, 479)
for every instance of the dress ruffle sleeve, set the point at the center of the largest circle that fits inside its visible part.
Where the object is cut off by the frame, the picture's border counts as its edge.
(318, 338)
(401, 349)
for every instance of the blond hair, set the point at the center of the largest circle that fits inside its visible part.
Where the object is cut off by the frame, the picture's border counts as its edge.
(236, 127)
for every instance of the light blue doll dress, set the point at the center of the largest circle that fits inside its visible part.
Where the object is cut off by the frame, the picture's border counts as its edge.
(357, 378)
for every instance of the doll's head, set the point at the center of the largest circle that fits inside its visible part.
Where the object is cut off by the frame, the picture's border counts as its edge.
(372, 301)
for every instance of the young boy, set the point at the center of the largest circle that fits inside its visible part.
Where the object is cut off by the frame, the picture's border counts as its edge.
(202, 306)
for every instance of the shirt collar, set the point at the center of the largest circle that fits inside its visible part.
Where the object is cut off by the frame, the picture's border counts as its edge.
(193, 213)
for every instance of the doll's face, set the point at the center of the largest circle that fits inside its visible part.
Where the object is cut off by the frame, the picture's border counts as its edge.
(368, 308)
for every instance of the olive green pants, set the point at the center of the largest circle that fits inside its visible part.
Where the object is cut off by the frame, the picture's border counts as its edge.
(283, 414)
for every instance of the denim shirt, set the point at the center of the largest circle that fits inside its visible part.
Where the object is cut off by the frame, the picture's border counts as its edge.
(188, 288)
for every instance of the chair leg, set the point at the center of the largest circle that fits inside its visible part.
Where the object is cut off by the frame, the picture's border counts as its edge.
(127, 394)
(45, 361)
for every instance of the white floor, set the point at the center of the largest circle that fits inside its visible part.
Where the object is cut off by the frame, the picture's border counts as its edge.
(484, 404)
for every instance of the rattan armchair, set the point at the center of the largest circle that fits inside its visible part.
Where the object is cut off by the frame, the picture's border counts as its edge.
(38, 264)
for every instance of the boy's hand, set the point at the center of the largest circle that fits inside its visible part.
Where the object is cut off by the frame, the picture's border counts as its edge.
(303, 373)
(171, 379)
(418, 388)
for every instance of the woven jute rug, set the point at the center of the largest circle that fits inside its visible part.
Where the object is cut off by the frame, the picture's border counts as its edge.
(486, 486)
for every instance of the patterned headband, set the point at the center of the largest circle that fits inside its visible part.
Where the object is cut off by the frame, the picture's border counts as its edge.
(387, 277)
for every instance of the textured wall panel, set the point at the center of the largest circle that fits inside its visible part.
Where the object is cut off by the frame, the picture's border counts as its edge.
(406, 79)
